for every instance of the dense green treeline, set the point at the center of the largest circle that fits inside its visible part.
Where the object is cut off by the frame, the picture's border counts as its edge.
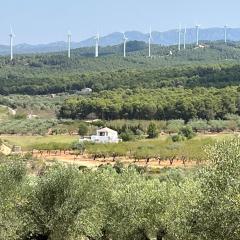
(118, 203)
(215, 65)
(187, 76)
(161, 104)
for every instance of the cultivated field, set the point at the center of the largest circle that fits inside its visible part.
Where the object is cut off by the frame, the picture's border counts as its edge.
(154, 153)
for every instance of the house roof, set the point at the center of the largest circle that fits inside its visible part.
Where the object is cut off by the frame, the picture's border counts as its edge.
(106, 129)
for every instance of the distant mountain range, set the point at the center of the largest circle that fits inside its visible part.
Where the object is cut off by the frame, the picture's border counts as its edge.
(163, 38)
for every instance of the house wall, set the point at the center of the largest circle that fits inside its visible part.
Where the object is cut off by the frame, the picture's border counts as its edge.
(105, 139)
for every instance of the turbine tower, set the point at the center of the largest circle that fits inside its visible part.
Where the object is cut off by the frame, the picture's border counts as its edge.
(124, 44)
(179, 37)
(149, 42)
(12, 36)
(97, 38)
(197, 34)
(184, 38)
(69, 43)
(225, 33)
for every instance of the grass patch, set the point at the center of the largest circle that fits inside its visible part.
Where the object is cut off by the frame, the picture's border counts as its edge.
(28, 142)
(3, 113)
(162, 147)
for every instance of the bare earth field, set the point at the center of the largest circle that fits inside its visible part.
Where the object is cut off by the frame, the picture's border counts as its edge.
(87, 160)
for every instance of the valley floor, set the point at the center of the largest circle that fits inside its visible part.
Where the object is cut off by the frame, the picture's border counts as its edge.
(88, 161)
(155, 154)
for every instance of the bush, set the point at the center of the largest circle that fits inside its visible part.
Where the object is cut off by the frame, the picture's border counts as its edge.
(187, 132)
(152, 131)
(78, 146)
(27, 126)
(128, 135)
(199, 125)
(178, 138)
(98, 123)
(173, 126)
(20, 116)
(217, 125)
(82, 129)
(119, 167)
(184, 133)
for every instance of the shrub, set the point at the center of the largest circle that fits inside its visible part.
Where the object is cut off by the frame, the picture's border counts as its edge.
(187, 132)
(199, 125)
(128, 135)
(119, 167)
(98, 123)
(20, 116)
(78, 146)
(152, 131)
(82, 129)
(178, 138)
(173, 126)
(217, 125)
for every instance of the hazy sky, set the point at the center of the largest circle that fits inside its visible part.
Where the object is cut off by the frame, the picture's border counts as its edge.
(41, 21)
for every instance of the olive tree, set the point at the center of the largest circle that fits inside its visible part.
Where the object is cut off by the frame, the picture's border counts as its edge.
(217, 214)
(13, 188)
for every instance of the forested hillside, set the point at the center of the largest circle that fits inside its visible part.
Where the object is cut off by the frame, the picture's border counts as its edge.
(216, 65)
(162, 104)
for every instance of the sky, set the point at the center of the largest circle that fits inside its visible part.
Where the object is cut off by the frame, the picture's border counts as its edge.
(44, 21)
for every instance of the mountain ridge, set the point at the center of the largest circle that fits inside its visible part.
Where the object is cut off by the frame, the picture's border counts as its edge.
(165, 38)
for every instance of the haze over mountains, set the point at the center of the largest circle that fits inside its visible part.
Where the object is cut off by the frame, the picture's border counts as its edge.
(163, 38)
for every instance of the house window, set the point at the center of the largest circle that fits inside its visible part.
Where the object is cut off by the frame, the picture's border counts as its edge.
(102, 134)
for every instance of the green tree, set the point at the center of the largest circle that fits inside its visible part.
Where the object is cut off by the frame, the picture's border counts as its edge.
(152, 130)
(187, 132)
(127, 135)
(13, 191)
(216, 214)
(82, 129)
(199, 125)
(173, 126)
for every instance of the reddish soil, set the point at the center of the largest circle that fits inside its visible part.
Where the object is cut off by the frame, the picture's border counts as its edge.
(87, 160)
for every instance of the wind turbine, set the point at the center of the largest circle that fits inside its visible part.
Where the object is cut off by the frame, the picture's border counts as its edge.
(225, 33)
(97, 38)
(179, 37)
(197, 34)
(184, 38)
(69, 43)
(124, 44)
(12, 36)
(149, 42)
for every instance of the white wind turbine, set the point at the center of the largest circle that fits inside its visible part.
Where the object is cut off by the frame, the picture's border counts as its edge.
(197, 34)
(149, 42)
(225, 33)
(125, 39)
(184, 38)
(97, 38)
(179, 37)
(12, 36)
(69, 43)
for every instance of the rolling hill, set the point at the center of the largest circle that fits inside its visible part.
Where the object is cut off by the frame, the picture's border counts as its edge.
(162, 38)
(214, 64)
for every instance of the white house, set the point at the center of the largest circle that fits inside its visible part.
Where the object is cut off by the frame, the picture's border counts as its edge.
(104, 135)
(86, 91)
